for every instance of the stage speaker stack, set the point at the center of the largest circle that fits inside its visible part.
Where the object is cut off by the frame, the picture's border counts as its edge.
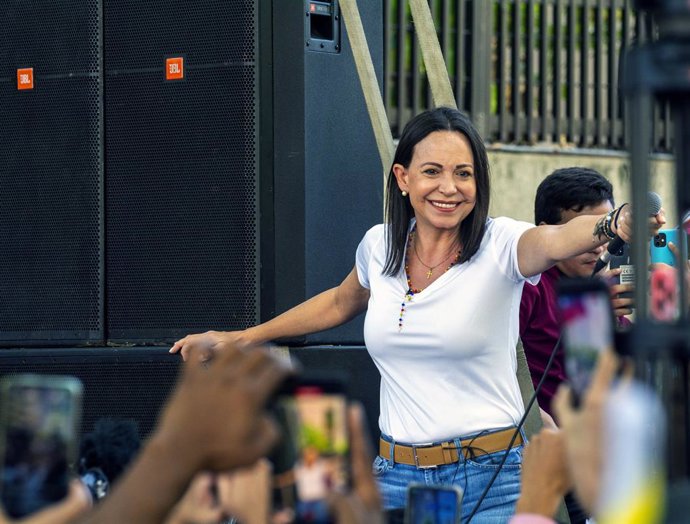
(174, 166)
(169, 167)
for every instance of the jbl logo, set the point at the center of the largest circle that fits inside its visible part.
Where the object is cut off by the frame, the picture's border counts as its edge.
(25, 78)
(174, 68)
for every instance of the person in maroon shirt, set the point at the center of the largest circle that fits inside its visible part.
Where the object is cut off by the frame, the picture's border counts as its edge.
(563, 195)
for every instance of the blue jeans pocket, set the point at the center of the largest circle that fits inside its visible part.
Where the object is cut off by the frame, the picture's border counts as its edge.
(380, 466)
(493, 460)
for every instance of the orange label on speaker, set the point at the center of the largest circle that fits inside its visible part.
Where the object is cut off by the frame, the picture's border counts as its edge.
(174, 68)
(25, 78)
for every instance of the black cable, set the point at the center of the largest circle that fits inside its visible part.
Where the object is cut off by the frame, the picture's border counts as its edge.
(520, 424)
(460, 450)
(517, 428)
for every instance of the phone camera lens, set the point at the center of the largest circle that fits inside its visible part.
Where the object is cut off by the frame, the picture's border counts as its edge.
(96, 482)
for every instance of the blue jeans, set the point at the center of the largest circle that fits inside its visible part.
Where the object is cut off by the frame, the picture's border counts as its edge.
(472, 475)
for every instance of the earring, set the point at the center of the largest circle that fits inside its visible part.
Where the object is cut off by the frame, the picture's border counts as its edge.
(404, 193)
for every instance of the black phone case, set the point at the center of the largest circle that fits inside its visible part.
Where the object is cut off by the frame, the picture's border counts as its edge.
(623, 260)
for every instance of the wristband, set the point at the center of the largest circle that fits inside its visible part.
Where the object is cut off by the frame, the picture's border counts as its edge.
(606, 226)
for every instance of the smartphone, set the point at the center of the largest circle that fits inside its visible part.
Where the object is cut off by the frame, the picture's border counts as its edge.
(39, 420)
(433, 504)
(587, 328)
(622, 260)
(313, 458)
(658, 246)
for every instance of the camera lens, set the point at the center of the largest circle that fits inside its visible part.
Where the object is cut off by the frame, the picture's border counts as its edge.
(97, 483)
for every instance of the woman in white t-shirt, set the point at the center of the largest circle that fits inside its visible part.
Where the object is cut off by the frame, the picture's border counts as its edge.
(441, 283)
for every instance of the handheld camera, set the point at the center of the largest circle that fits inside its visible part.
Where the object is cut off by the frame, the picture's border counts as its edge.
(313, 457)
(587, 328)
(437, 504)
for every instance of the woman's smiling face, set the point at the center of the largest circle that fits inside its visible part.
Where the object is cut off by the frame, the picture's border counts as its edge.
(440, 180)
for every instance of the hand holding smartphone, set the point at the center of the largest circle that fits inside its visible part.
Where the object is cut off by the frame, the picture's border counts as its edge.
(39, 417)
(433, 504)
(659, 250)
(587, 328)
(313, 457)
(622, 260)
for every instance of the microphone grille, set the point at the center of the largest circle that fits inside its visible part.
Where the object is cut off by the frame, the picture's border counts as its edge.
(653, 203)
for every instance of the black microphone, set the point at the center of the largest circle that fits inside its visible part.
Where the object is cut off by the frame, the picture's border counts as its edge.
(653, 207)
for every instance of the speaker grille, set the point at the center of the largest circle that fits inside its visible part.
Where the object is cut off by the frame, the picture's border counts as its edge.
(55, 38)
(135, 383)
(209, 32)
(50, 161)
(131, 384)
(181, 168)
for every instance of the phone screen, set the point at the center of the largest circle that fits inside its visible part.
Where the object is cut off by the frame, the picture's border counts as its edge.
(40, 415)
(663, 290)
(437, 504)
(586, 328)
(314, 454)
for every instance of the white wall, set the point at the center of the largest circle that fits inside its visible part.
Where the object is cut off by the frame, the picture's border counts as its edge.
(516, 173)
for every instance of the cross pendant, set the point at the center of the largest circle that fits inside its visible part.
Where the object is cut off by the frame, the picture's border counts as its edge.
(428, 274)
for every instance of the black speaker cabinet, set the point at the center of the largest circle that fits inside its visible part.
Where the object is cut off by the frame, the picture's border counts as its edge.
(131, 383)
(134, 383)
(319, 110)
(51, 172)
(178, 165)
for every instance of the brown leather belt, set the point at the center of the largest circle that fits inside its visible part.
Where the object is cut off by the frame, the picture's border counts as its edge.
(430, 456)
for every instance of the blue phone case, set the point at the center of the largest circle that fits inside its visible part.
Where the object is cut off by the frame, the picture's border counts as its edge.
(658, 247)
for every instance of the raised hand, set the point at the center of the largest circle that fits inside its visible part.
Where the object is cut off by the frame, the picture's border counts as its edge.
(217, 413)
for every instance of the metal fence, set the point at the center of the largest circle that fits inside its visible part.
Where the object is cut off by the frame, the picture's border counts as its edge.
(527, 71)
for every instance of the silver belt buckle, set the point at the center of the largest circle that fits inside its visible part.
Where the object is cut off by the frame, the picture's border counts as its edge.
(416, 458)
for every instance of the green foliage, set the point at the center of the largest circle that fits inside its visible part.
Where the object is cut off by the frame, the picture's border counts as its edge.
(314, 437)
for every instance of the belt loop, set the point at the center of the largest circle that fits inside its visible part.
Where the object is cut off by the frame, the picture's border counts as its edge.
(524, 436)
(391, 459)
(458, 447)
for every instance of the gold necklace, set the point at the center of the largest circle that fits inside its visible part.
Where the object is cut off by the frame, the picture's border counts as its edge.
(431, 268)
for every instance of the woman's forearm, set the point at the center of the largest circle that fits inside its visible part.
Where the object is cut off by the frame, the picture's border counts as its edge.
(326, 310)
(541, 247)
(316, 314)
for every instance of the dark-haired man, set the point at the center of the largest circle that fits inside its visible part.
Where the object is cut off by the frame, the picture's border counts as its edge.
(563, 195)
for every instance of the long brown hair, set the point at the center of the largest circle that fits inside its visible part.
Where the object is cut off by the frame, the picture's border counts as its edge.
(399, 211)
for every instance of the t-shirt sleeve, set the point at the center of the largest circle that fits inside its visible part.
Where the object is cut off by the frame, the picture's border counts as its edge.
(505, 234)
(364, 252)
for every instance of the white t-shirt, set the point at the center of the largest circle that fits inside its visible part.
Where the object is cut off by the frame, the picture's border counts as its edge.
(312, 481)
(451, 370)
